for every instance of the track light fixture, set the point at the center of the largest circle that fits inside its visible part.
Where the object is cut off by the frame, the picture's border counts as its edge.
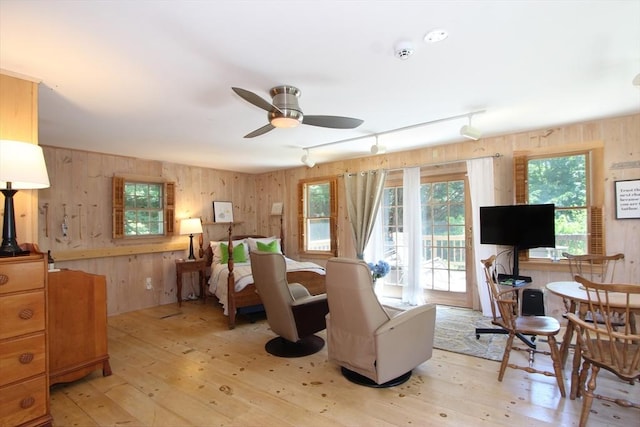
(467, 131)
(470, 132)
(378, 149)
(306, 159)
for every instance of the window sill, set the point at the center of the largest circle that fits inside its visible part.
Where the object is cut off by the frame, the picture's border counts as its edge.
(540, 264)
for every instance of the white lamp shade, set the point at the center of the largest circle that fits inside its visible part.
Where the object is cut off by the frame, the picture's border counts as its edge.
(190, 226)
(22, 164)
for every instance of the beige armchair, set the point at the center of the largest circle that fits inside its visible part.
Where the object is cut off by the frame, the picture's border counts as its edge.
(375, 346)
(292, 312)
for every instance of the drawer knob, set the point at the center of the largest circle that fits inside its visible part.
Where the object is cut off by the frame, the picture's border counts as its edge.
(27, 402)
(26, 314)
(4, 279)
(26, 358)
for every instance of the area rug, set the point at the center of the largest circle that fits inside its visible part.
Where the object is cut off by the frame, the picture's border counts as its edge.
(455, 332)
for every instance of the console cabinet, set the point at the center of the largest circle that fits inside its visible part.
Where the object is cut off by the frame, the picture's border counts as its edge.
(77, 325)
(24, 379)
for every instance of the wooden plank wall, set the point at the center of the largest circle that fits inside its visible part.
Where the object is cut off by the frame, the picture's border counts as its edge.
(81, 189)
(19, 122)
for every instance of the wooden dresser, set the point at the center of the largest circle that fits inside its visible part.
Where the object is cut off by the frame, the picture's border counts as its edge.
(77, 325)
(24, 376)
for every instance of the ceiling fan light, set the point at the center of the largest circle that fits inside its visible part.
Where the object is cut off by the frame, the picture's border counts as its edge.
(285, 117)
(470, 132)
(284, 122)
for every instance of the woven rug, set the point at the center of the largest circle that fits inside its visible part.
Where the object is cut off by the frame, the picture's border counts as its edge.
(455, 332)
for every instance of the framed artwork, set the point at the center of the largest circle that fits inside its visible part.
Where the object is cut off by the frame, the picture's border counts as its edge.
(627, 195)
(222, 212)
(276, 208)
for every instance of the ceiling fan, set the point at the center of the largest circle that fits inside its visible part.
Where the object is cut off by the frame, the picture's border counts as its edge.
(284, 111)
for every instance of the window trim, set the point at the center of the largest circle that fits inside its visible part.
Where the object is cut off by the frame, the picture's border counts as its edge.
(118, 197)
(333, 216)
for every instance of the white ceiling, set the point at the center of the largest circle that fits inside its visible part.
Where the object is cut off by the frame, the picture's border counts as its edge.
(152, 79)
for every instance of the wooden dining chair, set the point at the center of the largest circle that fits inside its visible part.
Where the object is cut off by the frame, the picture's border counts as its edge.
(600, 269)
(596, 268)
(515, 325)
(603, 346)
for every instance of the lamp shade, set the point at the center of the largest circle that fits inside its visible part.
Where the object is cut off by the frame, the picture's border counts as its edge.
(22, 164)
(190, 226)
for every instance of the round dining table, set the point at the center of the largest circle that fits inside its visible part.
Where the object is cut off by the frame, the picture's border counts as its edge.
(576, 295)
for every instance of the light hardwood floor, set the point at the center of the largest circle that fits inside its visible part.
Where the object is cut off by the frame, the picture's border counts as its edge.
(183, 367)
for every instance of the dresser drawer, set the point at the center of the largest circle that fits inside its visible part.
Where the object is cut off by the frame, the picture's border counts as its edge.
(22, 314)
(22, 358)
(21, 276)
(23, 402)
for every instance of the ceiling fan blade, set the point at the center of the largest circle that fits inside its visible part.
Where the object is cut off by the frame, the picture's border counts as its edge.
(336, 122)
(254, 99)
(260, 131)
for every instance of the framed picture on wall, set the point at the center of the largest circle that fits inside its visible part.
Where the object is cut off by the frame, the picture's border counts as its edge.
(627, 199)
(276, 208)
(222, 212)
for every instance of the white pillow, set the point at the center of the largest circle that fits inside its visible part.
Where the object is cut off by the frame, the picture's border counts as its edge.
(253, 243)
(217, 255)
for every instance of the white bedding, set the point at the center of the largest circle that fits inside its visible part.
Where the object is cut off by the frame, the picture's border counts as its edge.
(243, 277)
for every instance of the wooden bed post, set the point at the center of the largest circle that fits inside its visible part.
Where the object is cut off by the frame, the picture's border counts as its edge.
(231, 303)
(281, 236)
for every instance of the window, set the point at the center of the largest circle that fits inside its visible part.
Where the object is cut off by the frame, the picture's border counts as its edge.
(393, 243)
(565, 180)
(141, 208)
(317, 216)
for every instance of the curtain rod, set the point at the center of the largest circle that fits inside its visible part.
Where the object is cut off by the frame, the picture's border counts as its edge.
(494, 156)
(444, 119)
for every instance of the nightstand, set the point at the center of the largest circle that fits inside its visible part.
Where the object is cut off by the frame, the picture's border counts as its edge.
(185, 266)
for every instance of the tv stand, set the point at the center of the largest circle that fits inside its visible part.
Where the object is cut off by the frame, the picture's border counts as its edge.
(510, 279)
(514, 280)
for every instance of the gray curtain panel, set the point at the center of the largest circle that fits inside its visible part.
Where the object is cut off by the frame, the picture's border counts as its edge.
(363, 194)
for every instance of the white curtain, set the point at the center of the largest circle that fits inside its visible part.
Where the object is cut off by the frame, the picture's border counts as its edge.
(412, 234)
(481, 187)
(375, 248)
(363, 194)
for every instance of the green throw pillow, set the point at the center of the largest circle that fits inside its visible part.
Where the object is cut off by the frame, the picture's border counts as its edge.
(268, 247)
(238, 253)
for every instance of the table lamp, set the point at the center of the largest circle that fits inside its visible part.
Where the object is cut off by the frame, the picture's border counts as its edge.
(190, 226)
(22, 167)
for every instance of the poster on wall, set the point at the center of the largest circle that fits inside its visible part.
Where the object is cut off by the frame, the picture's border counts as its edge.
(627, 199)
(222, 212)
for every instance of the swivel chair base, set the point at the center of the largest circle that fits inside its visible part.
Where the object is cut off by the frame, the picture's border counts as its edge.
(356, 378)
(284, 348)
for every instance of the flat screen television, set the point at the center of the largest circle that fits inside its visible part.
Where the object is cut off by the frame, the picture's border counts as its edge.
(520, 226)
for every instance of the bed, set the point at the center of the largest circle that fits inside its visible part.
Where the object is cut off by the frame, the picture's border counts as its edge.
(232, 283)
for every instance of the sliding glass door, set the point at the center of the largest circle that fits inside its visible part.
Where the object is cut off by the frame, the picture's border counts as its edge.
(445, 255)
